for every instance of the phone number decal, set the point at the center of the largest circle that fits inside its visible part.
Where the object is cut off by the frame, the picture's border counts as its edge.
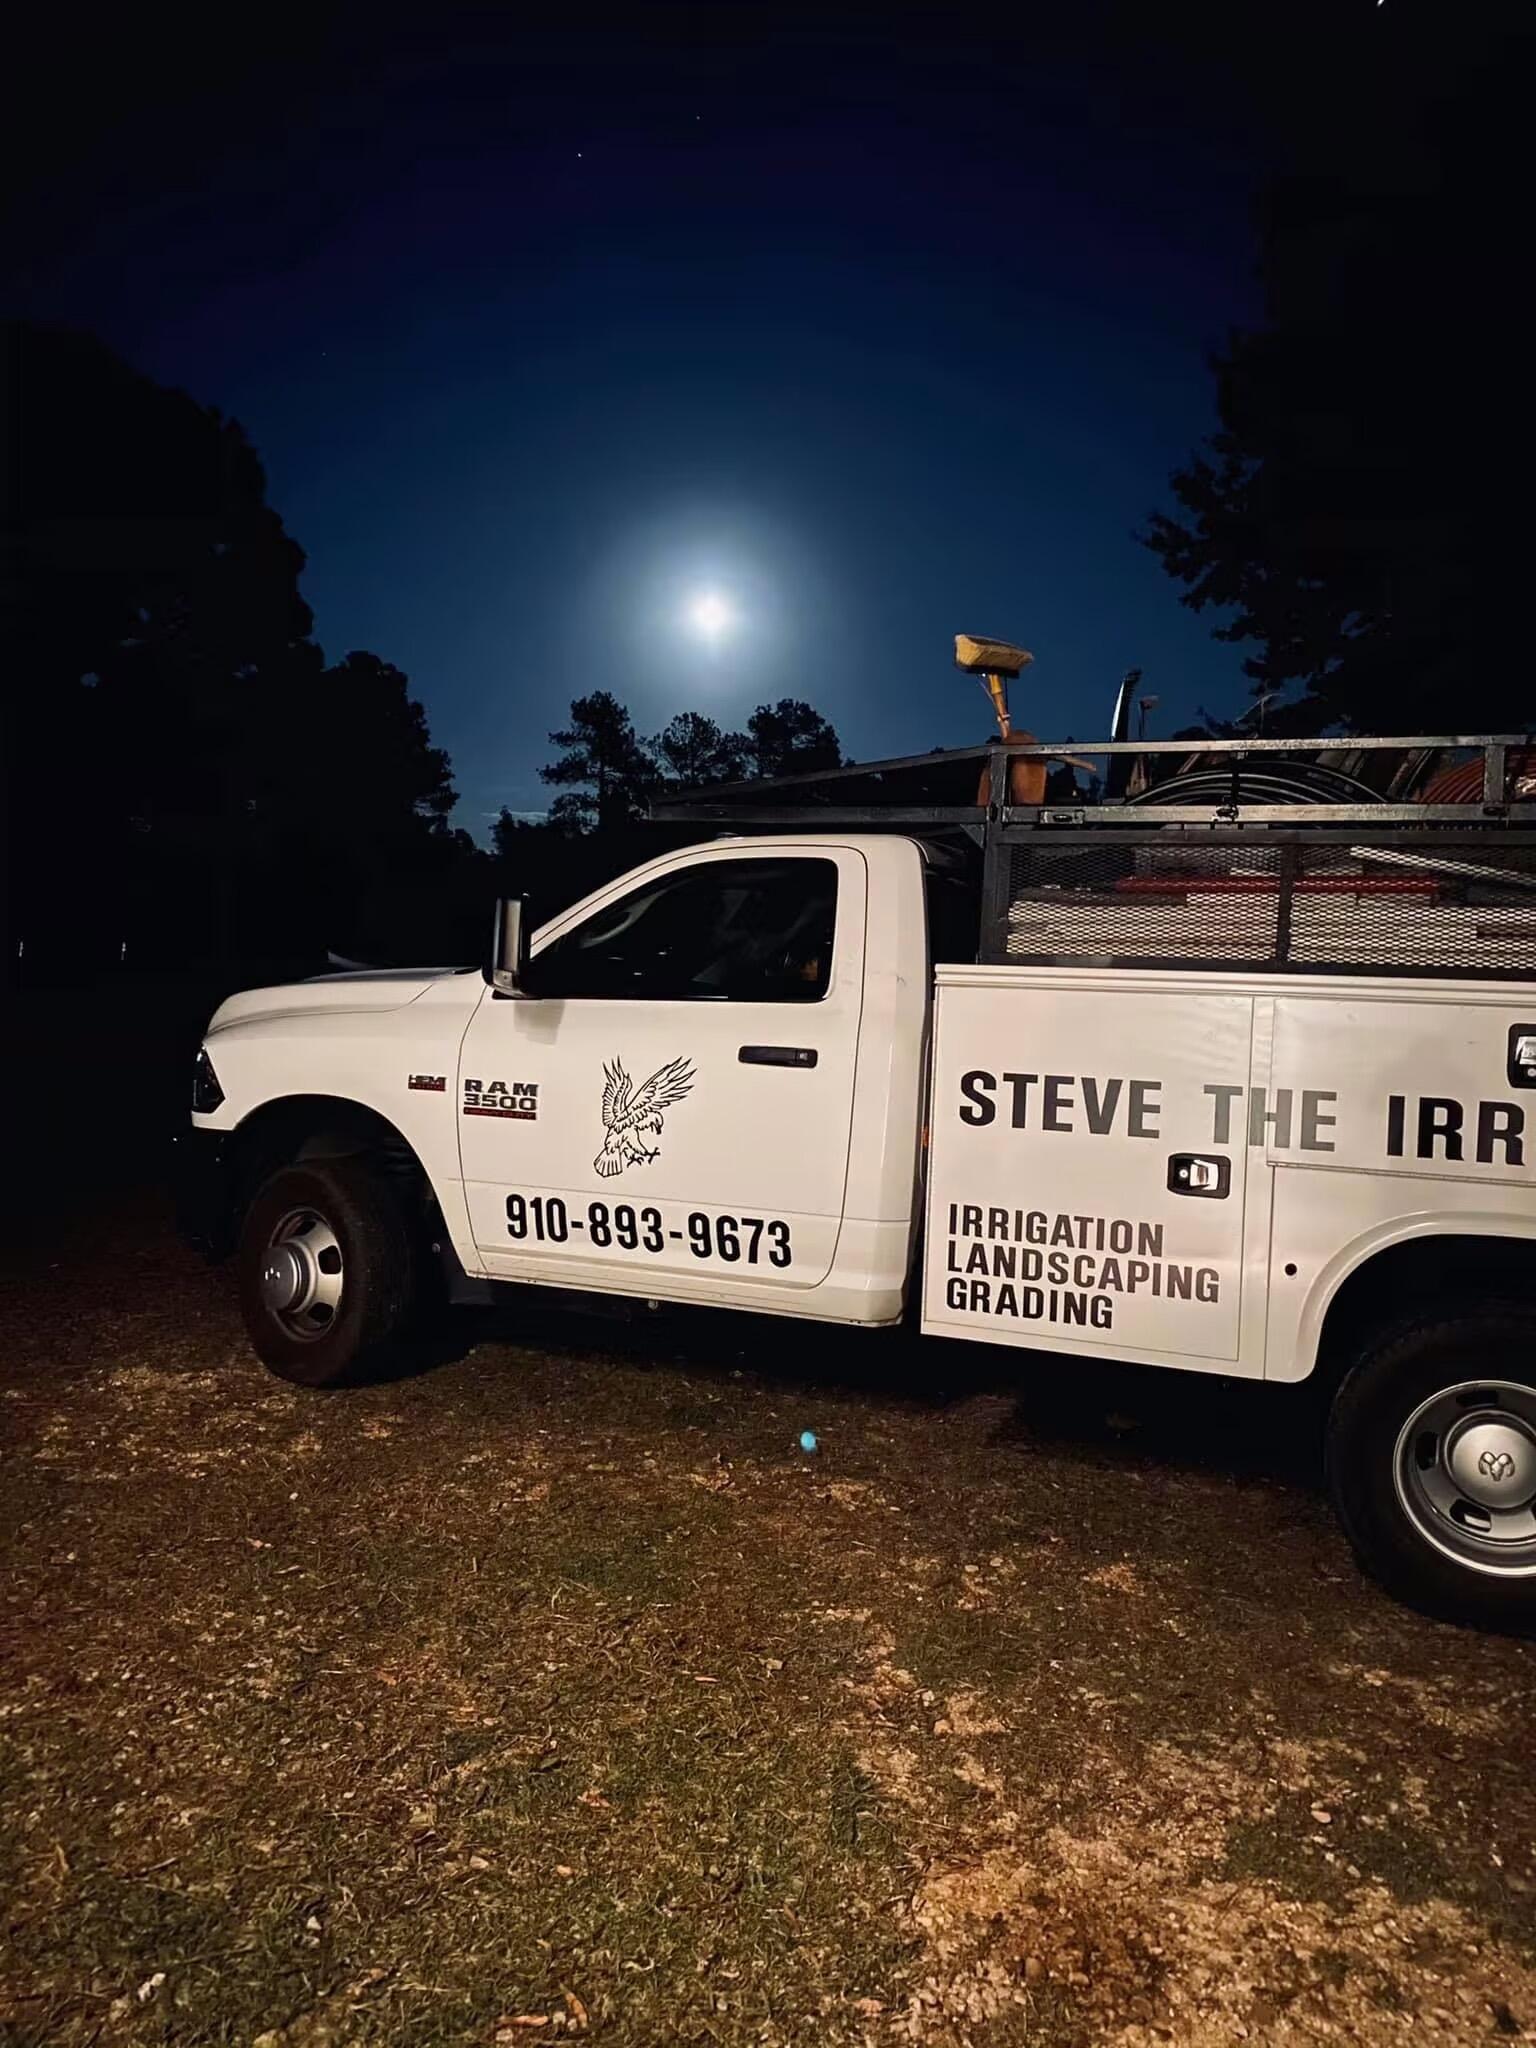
(622, 1226)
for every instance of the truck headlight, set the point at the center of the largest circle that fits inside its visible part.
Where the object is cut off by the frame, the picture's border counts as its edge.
(206, 1092)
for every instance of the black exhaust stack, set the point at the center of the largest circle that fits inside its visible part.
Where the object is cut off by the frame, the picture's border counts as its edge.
(1118, 778)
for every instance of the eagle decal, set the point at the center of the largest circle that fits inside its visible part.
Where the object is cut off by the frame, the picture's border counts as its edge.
(631, 1114)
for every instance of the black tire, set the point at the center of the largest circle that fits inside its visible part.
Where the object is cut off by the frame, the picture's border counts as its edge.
(373, 1272)
(1396, 1489)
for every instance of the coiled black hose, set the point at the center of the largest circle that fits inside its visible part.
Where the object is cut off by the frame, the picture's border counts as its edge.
(1306, 782)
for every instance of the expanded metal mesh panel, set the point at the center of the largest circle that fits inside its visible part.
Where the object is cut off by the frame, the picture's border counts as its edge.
(1412, 905)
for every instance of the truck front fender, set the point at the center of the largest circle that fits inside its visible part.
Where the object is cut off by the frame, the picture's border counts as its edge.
(216, 1172)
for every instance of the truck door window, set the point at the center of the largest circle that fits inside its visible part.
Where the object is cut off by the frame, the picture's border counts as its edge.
(743, 931)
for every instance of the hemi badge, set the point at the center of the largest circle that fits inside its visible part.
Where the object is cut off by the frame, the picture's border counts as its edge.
(434, 1084)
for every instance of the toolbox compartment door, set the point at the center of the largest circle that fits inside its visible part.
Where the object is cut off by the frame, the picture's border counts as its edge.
(1078, 1197)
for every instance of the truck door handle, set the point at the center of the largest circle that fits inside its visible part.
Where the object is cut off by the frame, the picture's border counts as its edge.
(777, 1055)
(1199, 1173)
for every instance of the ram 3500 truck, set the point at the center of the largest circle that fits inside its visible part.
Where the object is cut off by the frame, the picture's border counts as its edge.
(1201, 1084)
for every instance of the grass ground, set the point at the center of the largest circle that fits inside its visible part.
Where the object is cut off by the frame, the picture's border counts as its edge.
(554, 1692)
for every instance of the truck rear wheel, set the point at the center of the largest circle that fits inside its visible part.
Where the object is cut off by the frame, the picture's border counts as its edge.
(1432, 1463)
(328, 1272)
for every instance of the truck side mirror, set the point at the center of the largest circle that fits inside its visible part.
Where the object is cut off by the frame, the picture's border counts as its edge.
(509, 948)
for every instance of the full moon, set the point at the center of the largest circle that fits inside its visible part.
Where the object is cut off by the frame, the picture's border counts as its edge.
(710, 615)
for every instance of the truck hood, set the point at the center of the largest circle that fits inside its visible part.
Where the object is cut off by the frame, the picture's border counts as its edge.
(371, 988)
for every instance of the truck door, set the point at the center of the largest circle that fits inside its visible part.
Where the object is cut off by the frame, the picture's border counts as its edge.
(668, 1110)
(1088, 1170)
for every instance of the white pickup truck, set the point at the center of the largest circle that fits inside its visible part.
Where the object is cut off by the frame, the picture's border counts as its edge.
(1247, 1096)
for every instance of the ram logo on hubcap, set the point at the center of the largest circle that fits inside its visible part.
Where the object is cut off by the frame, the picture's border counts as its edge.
(1496, 1465)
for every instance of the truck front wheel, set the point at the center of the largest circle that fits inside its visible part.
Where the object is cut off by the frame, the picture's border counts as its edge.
(328, 1272)
(1432, 1463)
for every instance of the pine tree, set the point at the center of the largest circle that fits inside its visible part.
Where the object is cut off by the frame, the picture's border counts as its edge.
(693, 751)
(603, 771)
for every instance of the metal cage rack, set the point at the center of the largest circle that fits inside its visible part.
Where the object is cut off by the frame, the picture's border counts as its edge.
(1210, 867)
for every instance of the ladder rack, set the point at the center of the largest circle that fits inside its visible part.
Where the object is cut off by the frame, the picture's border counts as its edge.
(870, 793)
(1191, 871)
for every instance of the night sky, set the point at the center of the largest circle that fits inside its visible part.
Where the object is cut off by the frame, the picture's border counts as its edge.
(880, 334)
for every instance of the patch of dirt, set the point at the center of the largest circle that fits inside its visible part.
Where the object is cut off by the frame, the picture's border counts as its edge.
(1116, 1578)
(966, 1713)
(1120, 1927)
(549, 1692)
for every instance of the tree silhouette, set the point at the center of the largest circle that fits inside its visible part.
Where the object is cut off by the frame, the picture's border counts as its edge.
(790, 738)
(396, 779)
(603, 771)
(1352, 512)
(515, 839)
(607, 776)
(551, 863)
(167, 694)
(693, 751)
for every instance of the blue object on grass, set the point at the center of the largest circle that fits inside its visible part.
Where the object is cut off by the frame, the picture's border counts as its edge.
(807, 1439)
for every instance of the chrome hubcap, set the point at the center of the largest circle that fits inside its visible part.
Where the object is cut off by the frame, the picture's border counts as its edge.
(282, 1278)
(1465, 1472)
(1493, 1463)
(301, 1274)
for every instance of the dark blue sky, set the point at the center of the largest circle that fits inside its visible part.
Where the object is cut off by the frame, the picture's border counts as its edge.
(882, 338)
